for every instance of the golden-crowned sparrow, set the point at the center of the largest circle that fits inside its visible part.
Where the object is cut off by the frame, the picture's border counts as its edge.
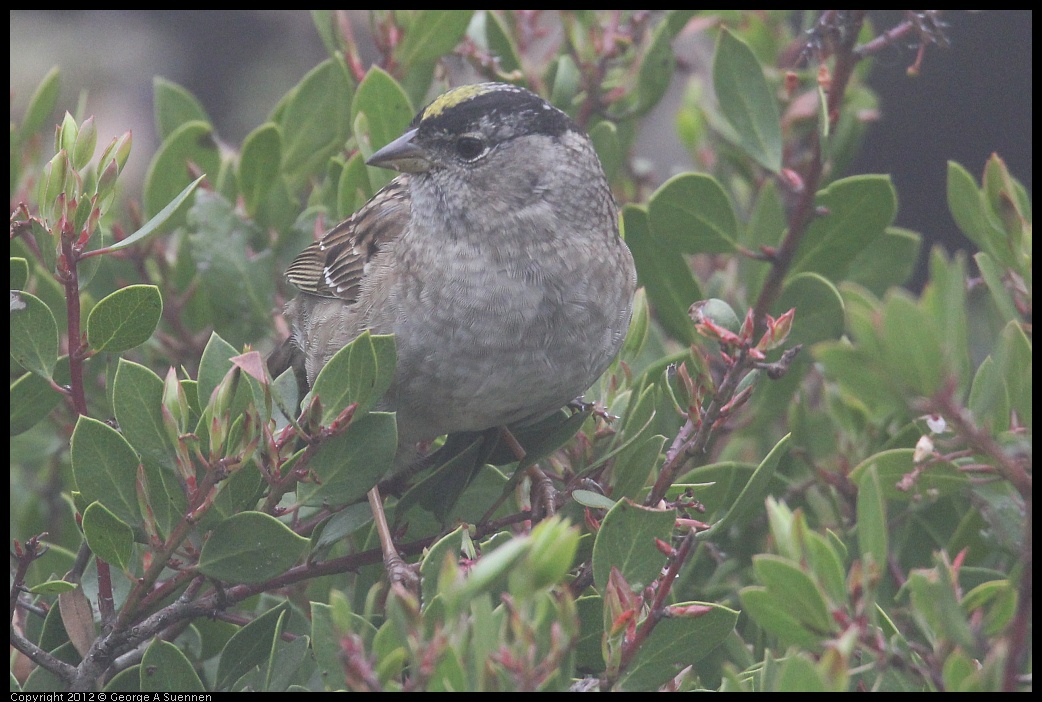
(495, 260)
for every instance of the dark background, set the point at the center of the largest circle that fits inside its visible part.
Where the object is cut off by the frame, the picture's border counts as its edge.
(969, 101)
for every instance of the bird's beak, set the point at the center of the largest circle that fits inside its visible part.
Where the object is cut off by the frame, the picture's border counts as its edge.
(402, 155)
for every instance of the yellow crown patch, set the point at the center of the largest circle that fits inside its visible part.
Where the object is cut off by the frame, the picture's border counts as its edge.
(459, 95)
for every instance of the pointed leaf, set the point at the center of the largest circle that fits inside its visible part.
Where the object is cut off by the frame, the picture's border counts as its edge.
(259, 164)
(124, 319)
(664, 274)
(751, 498)
(137, 400)
(105, 468)
(380, 113)
(857, 212)
(250, 547)
(153, 225)
(871, 517)
(164, 668)
(315, 120)
(41, 104)
(819, 309)
(190, 147)
(174, 106)
(109, 537)
(348, 465)
(677, 642)
(250, 646)
(31, 398)
(692, 211)
(360, 372)
(431, 34)
(790, 583)
(989, 399)
(626, 540)
(34, 334)
(747, 101)
(237, 284)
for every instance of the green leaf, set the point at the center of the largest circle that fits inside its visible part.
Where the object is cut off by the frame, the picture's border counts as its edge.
(52, 587)
(381, 112)
(164, 668)
(360, 372)
(966, 204)
(605, 138)
(349, 464)
(500, 42)
(999, 600)
(431, 34)
(124, 319)
(819, 309)
(858, 211)
(82, 152)
(871, 518)
(935, 606)
(448, 674)
(593, 500)
(633, 466)
(887, 261)
(109, 537)
(993, 276)
(665, 275)
(191, 148)
(657, 67)
(790, 583)
(259, 164)
(747, 101)
(315, 120)
(137, 400)
(153, 225)
(554, 543)
(448, 547)
(825, 563)
(326, 25)
(174, 106)
(751, 498)
(912, 346)
(1014, 358)
(19, 273)
(34, 334)
(766, 225)
(250, 547)
(799, 675)
(31, 398)
(693, 212)
(771, 613)
(566, 83)
(105, 468)
(677, 642)
(236, 285)
(989, 399)
(944, 298)
(250, 646)
(41, 104)
(353, 188)
(213, 366)
(626, 540)
(325, 644)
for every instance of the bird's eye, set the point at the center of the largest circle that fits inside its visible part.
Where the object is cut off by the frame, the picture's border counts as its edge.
(469, 148)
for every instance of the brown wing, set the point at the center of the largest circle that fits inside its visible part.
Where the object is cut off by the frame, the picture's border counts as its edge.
(335, 265)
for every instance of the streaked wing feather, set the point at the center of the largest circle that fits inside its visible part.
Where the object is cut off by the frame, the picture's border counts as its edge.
(335, 265)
